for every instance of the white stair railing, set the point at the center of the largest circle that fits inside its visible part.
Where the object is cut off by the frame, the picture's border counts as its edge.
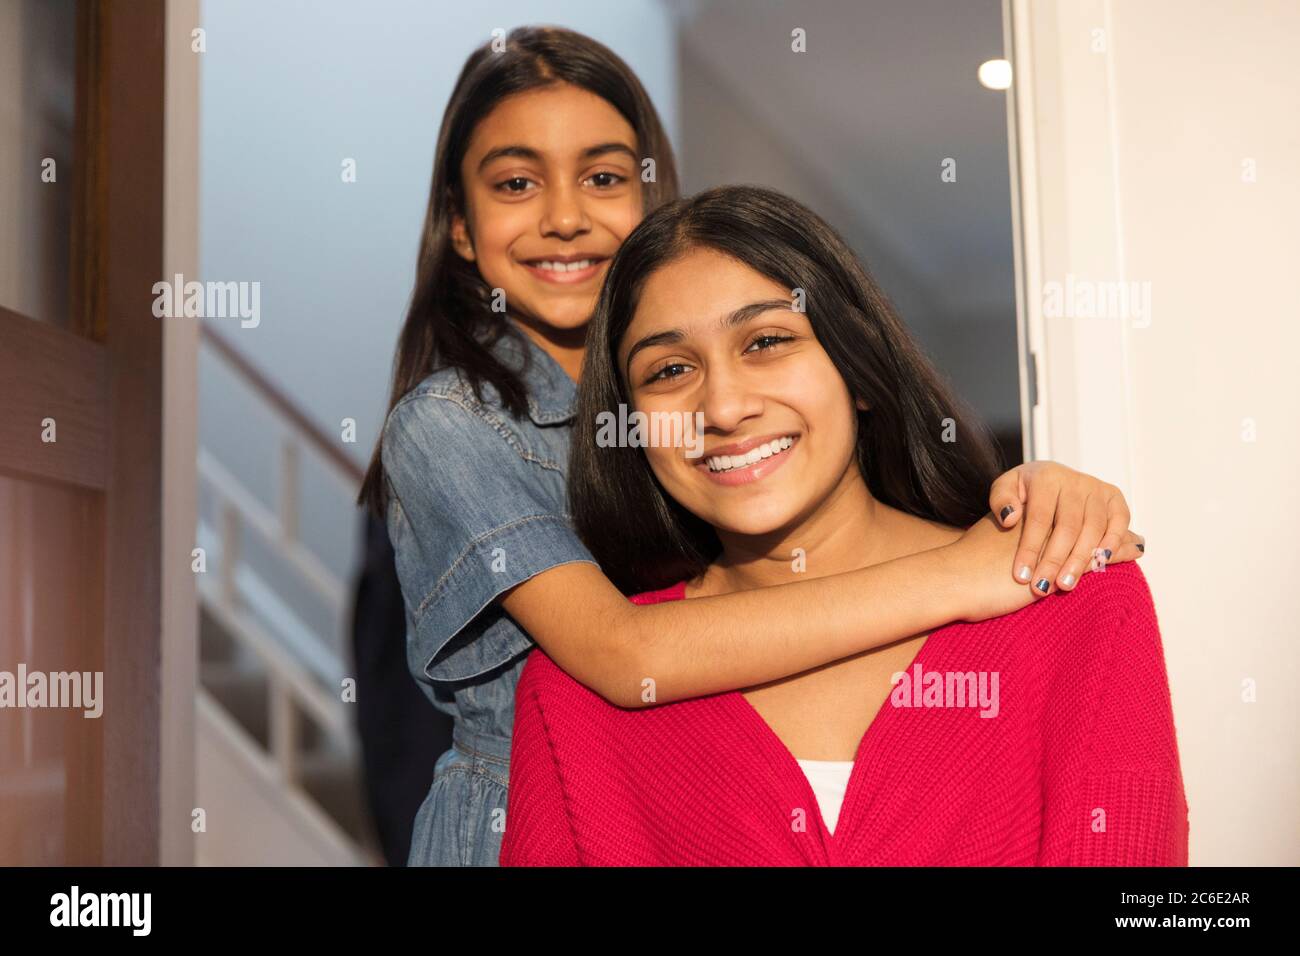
(302, 669)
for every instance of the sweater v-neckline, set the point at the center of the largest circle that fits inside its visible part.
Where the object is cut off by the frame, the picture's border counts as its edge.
(749, 714)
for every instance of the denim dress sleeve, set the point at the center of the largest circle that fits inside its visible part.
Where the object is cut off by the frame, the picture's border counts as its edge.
(475, 510)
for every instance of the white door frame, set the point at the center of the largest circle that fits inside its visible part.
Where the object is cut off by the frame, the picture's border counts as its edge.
(1066, 213)
(180, 615)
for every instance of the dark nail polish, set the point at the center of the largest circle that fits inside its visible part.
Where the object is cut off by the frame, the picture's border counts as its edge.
(1006, 511)
(1042, 584)
(1106, 551)
(1142, 548)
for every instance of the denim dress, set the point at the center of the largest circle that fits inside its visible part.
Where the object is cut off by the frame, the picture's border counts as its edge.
(477, 505)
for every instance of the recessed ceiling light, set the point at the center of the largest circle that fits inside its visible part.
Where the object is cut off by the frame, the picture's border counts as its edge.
(996, 74)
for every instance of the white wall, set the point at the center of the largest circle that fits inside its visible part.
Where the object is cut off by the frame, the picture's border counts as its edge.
(1132, 163)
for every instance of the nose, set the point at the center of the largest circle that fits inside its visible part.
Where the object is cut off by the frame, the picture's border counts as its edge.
(728, 398)
(564, 215)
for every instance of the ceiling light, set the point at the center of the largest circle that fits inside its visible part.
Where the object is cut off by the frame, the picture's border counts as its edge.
(996, 74)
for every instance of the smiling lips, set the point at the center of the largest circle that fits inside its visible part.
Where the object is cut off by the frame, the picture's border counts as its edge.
(748, 461)
(565, 270)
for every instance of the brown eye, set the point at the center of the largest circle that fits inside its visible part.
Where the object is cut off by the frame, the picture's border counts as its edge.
(515, 184)
(666, 373)
(605, 180)
(764, 342)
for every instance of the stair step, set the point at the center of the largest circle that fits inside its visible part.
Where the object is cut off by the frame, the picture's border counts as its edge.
(242, 693)
(239, 683)
(215, 643)
(245, 694)
(335, 783)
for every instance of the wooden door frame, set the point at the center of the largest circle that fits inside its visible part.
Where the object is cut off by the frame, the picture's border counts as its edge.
(101, 376)
(121, 214)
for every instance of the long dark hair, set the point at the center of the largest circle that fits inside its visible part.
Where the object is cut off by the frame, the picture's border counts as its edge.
(643, 539)
(450, 323)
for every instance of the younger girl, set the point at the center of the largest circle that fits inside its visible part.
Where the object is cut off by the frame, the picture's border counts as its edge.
(1043, 736)
(549, 155)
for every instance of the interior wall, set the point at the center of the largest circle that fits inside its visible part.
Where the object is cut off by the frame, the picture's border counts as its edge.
(1160, 141)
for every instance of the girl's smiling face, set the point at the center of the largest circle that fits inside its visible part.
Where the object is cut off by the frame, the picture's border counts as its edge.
(552, 188)
(712, 335)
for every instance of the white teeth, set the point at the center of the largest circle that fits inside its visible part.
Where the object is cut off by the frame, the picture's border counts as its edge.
(766, 450)
(551, 266)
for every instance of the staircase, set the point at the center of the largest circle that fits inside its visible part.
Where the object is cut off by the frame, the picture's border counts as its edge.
(279, 772)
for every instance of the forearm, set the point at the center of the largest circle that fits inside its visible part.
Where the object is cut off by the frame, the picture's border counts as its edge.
(727, 642)
(640, 655)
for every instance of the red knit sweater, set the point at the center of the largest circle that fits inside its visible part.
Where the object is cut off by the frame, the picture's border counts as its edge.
(1079, 767)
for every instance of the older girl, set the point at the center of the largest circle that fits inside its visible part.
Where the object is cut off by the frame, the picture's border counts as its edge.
(1042, 736)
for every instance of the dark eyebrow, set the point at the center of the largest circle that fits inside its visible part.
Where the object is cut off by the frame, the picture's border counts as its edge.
(593, 151)
(730, 321)
(523, 152)
(526, 152)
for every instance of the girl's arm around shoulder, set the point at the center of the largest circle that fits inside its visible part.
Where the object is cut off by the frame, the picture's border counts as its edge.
(640, 655)
(637, 656)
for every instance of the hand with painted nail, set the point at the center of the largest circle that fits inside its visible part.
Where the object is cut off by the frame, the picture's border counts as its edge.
(976, 564)
(1072, 523)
